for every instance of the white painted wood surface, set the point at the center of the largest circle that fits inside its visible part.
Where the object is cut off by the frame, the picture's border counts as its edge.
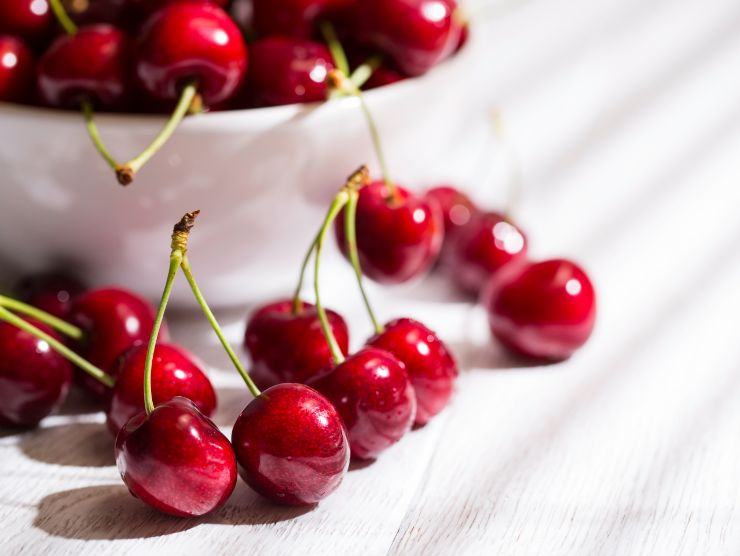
(625, 115)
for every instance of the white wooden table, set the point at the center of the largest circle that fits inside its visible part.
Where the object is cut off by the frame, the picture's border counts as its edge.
(625, 115)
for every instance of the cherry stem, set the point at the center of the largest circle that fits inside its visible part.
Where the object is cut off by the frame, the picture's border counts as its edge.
(335, 47)
(375, 135)
(92, 131)
(336, 206)
(297, 303)
(57, 346)
(62, 17)
(126, 172)
(364, 71)
(56, 323)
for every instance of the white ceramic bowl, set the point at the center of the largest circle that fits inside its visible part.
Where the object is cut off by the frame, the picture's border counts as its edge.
(262, 179)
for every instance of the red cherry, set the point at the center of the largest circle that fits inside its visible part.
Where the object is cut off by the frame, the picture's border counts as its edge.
(544, 310)
(51, 292)
(176, 460)
(34, 379)
(175, 372)
(290, 348)
(91, 64)
(16, 70)
(429, 363)
(29, 19)
(457, 211)
(294, 18)
(487, 244)
(398, 238)
(114, 320)
(113, 12)
(191, 41)
(291, 445)
(415, 34)
(284, 70)
(145, 8)
(383, 76)
(372, 392)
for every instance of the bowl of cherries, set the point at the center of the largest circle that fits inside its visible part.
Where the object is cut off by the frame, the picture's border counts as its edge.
(119, 114)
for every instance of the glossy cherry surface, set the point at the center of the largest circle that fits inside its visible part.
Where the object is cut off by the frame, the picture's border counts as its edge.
(373, 394)
(144, 8)
(29, 19)
(176, 460)
(457, 211)
(486, 245)
(113, 320)
(175, 372)
(287, 347)
(544, 310)
(415, 34)
(398, 238)
(34, 379)
(293, 18)
(291, 445)
(16, 70)
(430, 365)
(191, 41)
(91, 64)
(50, 292)
(285, 70)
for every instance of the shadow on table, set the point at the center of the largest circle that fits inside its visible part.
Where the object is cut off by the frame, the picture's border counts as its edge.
(76, 444)
(78, 403)
(492, 356)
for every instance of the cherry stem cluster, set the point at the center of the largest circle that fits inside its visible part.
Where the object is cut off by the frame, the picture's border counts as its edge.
(69, 330)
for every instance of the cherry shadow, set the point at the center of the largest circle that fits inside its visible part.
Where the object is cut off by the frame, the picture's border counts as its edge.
(246, 507)
(72, 444)
(494, 357)
(78, 403)
(359, 464)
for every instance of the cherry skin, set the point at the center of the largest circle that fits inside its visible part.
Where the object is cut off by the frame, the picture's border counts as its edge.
(16, 70)
(292, 18)
(373, 394)
(383, 76)
(29, 19)
(113, 320)
(291, 445)
(34, 379)
(91, 64)
(430, 365)
(287, 347)
(175, 372)
(543, 310)
(398, 238)
(144, 8)
(191, 41)
(415, 34)
(457, 211)
(176, 460)
(284, 70)
(50, 292)
(486, 245)
(113, 12)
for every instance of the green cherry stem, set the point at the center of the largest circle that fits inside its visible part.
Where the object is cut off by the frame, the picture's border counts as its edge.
(335, 47)
(297, 303)
(62, 17)
(69, 330)
(188, 98)
(92, 130)
(57, 346)
(364, 71)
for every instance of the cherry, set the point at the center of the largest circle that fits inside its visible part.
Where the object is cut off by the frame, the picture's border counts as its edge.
(191, 42)
(291, 445)
(86, 12)
(485, 246)
(50, 292)
(294, 18)
(29, 19)
(175, 372)
(285, 70)
(415, 34)
(176, 460)
(429, 364)
(144, 8)
(457, 211)
(34, 379)
(113, 320)
(90, 65)
(372, 393)
(398, 236)
(544, 310)
(289, 347)
(383, 76)
(16, 70)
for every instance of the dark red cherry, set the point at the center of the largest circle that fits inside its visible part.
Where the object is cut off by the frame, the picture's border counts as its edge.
(287, 347)
(294, 18)
(29, 19)
(429, 363)
(373, 394)
(144, 8)
(34, 379)
(485, 246)
(176, 460)
(191, 41)
(114, 320)
(291, 445)
(544, 310)
(87, 12)
(175, 372)
(383, 76)
(457, 211)
(398, 238)
(415, 34)
(285, 70)
(50, 292)
(92, 64)
(16, 70)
